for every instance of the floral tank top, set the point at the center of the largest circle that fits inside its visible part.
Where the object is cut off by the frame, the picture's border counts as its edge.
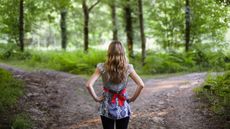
(114, 106)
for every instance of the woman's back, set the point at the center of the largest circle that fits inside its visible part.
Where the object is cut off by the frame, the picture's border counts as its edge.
(107, 83)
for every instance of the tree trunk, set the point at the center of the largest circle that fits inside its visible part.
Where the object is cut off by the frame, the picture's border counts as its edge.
(63, 29)
(86, 11)
(129, 28)
(141, 20)
(187, 26)
(21, 25)
(114, 19)
(86, 24)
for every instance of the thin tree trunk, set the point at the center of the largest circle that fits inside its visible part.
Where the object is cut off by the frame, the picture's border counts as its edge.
(141, 20)
(114, 19)
(129, 28)
(21, 25)
(86, 11)
(86, 24)
(187, 26)
(63, 28)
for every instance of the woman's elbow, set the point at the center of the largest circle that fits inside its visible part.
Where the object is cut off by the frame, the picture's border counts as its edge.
(142, 86)
(87, 85)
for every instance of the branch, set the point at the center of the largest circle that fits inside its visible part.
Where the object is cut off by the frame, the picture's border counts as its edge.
(90, 8)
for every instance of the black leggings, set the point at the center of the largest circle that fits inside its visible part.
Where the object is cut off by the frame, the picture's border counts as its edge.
(109, 123)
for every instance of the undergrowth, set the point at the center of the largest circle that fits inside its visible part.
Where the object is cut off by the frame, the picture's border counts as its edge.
(79, 62)
(10, 91)
(216, 91)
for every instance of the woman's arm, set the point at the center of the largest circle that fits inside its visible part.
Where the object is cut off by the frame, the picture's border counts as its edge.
(140, 85)
(90, 83)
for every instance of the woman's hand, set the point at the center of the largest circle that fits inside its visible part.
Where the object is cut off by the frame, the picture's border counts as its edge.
(100, 99)
(129, 100)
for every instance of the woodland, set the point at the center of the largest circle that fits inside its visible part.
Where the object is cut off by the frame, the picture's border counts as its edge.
(161, 37)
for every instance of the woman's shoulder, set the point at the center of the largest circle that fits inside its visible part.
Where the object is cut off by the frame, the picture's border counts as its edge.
(130, 65)
(100, 66)
(130, 68)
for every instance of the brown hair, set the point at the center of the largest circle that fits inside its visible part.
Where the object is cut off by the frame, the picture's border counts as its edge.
(116, 64)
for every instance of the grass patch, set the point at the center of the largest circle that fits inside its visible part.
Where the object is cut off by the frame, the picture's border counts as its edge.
(11, 90)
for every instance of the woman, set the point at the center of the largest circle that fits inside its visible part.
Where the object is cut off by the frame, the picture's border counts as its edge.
(114, 103)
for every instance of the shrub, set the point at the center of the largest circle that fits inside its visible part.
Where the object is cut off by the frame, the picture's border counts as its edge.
(207, 58)
(7, 50)
(216, 89)
(21, 121)
(168, 63)
(11, 51)
(76, 62)
(10, 90)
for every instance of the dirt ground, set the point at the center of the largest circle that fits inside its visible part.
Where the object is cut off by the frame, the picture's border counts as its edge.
(58, 100)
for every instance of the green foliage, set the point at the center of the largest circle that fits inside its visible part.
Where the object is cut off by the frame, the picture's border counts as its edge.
(168, 23)
(7, 50)
(9, 15)
(216, 89)
(206, 57)
(227, 60)
(79, 62)
(21, 121)
(209, 22)
(10, 51)
(10, 90)
(168, 63)
(224, 2)
(202, 59)
(76, 62)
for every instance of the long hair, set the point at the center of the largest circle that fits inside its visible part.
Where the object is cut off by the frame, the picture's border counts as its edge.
(116, 64)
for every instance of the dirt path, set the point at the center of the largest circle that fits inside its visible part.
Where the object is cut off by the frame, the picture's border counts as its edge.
(57, 100)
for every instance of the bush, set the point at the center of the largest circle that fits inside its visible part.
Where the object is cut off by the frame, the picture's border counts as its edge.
(7, 50)
(168, 63)
(207, 58)
(11, 51)
(10, 90)
(21, 121)
(72, 62)
(216, 89)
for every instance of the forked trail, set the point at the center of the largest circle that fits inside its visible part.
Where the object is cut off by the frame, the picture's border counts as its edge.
(57, 100)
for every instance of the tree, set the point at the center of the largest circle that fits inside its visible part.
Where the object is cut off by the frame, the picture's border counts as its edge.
(141, 20)
(187, 25)
(114, 19)
(61, 6)
(17, 19)
(21, 24)
(167, 24)
(86, 11)
(208, 23)
(63, 28)
(129, 27)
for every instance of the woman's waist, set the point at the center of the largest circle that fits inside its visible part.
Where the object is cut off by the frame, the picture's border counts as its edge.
(119, 96)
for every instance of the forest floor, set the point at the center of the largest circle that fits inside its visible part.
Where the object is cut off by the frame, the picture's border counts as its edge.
(58, 100)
